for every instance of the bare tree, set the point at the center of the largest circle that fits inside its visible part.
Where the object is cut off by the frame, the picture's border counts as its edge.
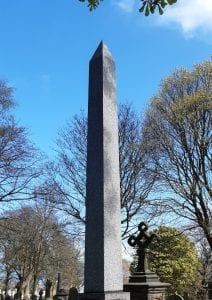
(18, 157)
(34, 242)
(63, 258)
(177, 138)
(70, 181)
(135, 180)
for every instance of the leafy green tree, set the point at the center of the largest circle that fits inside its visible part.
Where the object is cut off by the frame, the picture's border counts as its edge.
(177, 138)
(174, 259)
(148, 6)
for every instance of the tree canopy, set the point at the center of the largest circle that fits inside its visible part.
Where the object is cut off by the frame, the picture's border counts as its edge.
(174, 259)
(177, 137)
(148, 6)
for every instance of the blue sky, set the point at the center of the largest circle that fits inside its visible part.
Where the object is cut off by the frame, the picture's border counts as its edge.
(46, 46)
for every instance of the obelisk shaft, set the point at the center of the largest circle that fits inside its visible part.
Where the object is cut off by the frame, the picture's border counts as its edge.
(103, 262)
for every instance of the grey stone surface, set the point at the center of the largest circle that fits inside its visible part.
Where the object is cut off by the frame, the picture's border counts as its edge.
(175, 297)
(105, 296)
(209, 288)
(103, 260)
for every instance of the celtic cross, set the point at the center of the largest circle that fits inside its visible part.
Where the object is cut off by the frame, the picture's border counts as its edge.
(141, 242)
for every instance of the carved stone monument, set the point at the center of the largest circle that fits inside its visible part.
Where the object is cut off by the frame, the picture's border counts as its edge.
(144, 284)
(103, 259)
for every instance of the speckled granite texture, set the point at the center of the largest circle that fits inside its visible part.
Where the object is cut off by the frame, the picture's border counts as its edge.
(103, 259)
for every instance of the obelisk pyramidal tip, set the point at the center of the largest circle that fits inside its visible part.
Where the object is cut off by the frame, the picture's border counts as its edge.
(102, 50)
(103, 259)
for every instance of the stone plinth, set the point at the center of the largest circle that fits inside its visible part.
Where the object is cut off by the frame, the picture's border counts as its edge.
(146, 291)
(175, 297)
(105, 296)
(143, 277)
(146, 286)
(61, 295)
(209, 288)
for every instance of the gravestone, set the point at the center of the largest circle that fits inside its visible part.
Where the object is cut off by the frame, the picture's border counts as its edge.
(103, 260)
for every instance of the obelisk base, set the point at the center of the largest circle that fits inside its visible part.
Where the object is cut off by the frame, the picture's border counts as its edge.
(119, 295)
(209, 288)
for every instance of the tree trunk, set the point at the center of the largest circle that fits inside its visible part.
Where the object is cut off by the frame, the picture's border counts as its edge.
(35, 277)
(7, 281)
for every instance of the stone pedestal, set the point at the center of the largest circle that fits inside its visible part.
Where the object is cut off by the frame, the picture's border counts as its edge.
(105, 296)
(146, 286)
(61, 295)
(175, 297)
(209, 288)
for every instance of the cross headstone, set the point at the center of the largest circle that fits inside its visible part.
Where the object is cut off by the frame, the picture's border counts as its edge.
(142, 241)
(143, 283)
(103, 259)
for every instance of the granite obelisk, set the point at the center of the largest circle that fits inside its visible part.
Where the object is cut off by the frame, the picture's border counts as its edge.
(103, 260)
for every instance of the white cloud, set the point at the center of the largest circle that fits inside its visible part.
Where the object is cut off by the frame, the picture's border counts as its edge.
(191, 15)
(126, 6)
